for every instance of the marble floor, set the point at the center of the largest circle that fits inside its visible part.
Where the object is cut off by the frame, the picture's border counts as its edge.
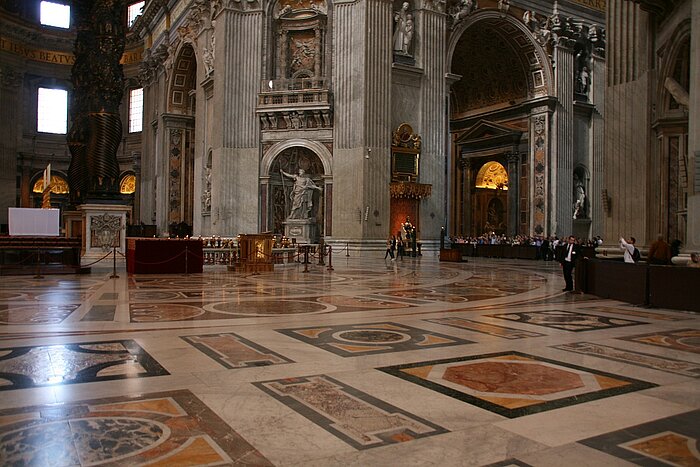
(376, 363)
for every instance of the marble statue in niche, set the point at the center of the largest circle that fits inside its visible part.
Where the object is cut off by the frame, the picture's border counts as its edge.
(580, 200)
(582, 73)
(403, 33)
(301, 195)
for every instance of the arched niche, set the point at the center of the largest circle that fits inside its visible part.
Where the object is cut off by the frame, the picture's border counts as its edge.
(298, 39)
(182, 82)
(498, 61)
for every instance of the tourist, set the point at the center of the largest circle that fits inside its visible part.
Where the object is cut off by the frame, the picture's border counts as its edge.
(659, 252)
(629, 249)
(390, 246)
(694, 261)
(568, 259)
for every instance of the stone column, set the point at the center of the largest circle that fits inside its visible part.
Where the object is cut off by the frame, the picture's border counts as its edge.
(561, 173)
(235, 135)
(10, 101)
(467, 168)
(362, 136)
(627, 123)
(513, 192)
(429, 42)
(317, 51)
(282, 49)
(693, 226)
(596, 186)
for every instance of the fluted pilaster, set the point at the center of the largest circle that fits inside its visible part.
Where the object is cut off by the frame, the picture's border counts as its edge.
(433, 122)
(562, 177)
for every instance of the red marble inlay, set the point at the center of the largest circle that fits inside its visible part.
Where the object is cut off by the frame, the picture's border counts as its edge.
(513, 378)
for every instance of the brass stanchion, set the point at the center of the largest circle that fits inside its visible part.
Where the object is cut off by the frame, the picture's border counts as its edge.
(114, 263)
(347, 249)
(306, 259)
(330, 258)
(321, 251)
(38, 264)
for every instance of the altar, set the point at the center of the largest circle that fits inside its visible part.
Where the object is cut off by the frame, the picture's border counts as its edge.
(163, 256)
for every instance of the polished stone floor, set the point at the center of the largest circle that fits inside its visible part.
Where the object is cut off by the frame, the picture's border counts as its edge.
(376, 363)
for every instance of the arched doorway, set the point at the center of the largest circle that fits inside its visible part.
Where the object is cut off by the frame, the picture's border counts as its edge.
(279, 188)
(499, 101)
(670, 175)
(179, 123)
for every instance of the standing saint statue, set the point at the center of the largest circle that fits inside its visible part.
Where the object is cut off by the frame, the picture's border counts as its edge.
(302, 195)
(403, 34)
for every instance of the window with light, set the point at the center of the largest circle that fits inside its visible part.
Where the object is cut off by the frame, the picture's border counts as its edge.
(134, 10)
(54, 14)
(52, 111)
(135, 110)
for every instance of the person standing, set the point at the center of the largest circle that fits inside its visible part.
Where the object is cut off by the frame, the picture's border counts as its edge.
(568, 262)
(659, 252)
(629, 249)
(400, 245)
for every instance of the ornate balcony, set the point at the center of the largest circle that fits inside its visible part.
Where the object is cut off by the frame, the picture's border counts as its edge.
(294, 104)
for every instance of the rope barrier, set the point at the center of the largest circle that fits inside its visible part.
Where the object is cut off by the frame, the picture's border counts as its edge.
(95, 262)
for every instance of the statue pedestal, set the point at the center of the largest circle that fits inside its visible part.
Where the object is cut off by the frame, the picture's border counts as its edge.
(104, 226)
(582, 228)
(304, 230)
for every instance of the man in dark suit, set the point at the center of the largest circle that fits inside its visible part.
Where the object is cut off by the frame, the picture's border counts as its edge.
(568, 260)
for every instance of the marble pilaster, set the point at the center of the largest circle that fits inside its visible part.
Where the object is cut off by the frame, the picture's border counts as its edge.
(10, 102)
(433, 125)
(598, 145)
(564, 128)
(235, 136)
(513, 192)
(362, 79)
(693, 225)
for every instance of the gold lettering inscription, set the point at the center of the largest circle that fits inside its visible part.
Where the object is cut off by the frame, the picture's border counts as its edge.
(59, 58)
(593, 4)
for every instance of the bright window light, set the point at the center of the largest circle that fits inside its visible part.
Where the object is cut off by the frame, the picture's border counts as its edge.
(133, 11)
(135, 110)
(55, 14)
(52, 111)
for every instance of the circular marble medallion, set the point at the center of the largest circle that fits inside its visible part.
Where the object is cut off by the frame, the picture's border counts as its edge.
(371, 336)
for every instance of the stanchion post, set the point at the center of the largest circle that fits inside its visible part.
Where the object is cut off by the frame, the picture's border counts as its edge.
(330, 258)
(187, 254)
(306, 259)
(38, 264)
(114, 263)
(321, 250)
(347, 249)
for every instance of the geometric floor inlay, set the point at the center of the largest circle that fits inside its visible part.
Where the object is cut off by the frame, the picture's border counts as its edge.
(166, 429)
(514, 384)
(638, 313)
(355, 417)
(687, 340)
(485, 328)
(26, 367)
(371, 338)
(35, 314)
(670, 365)
(566, 320)
(234, 351)
(668, 441)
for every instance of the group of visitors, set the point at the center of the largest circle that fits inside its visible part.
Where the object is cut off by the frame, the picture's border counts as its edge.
(395, 246)
(546, 246)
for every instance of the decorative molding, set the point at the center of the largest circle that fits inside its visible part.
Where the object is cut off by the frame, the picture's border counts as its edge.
(410, 190)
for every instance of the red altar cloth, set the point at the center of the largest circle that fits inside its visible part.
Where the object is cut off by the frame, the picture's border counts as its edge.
(163, 256)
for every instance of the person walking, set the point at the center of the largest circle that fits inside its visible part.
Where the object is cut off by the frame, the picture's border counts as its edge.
(390, 246)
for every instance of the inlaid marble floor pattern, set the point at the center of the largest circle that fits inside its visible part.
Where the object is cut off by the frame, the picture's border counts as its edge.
(375, 363)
